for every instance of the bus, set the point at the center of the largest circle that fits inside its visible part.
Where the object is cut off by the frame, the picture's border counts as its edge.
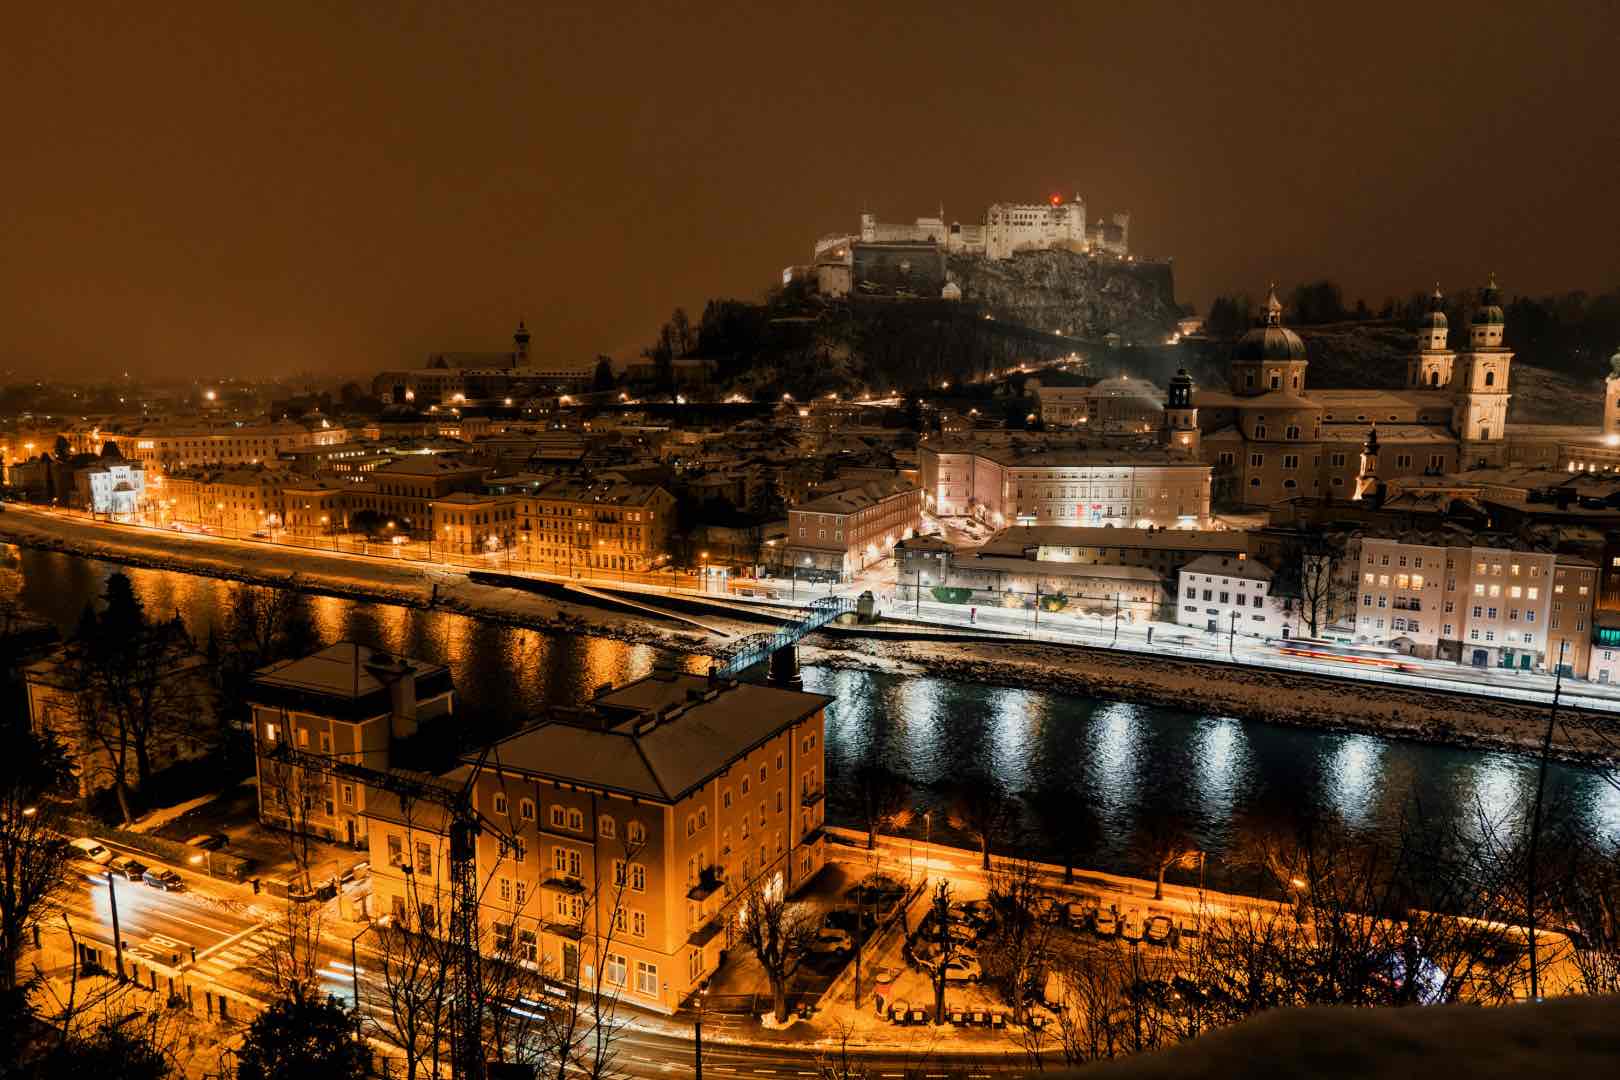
(1344, 652)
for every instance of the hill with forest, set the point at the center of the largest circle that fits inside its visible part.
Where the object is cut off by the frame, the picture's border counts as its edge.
(1033, 307)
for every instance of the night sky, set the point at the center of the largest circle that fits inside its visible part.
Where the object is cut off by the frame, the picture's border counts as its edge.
(344, 186)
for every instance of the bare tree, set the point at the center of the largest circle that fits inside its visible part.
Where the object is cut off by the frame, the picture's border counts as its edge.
(414, 969)
(778, 931)
(1014, 954)
(291, 966)
(880, 795)
(1065, 821)
(34, 857)
(1162, 843)
(293, 793)
(936, 948)
(981, 806)
(130, 685)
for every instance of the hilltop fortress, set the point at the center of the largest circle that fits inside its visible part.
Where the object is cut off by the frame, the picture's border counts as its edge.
(911, 258)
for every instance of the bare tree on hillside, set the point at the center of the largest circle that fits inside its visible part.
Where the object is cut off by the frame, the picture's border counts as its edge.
(291, 966)
(34, 857)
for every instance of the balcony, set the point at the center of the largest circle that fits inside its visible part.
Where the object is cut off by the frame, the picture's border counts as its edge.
(563, 883)
(709, 882)
(707, 932)
(810, 798)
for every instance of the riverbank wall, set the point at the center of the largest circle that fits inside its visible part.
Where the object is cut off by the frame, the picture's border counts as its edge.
(1278, 697)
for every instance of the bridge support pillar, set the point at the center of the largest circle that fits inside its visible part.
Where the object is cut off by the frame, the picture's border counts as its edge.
(785, 668)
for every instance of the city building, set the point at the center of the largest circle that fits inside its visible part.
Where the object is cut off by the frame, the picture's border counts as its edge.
(1005, 481)
(601, 524)
(183, 445)
(404, 490)
(843, 531)
(1271, 438)
(1120, 405)
(1224, 595)
(348, 701)
(239, 501)
(113, 487)
(629, 832)
(1480, 605)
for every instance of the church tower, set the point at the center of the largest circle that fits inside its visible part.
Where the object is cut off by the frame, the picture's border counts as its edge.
(1367, 474)
(520, 358)
(1269, 357)
(1611, 397)
(1181, 415)
(1430, 366)
(1480, 384)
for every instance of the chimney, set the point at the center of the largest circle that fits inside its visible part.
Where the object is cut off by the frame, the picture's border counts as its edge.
(399, 678)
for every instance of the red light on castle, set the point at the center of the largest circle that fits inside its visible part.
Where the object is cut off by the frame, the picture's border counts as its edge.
(1057, 200)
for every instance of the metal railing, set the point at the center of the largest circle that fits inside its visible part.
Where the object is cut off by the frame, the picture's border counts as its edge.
(756, 648)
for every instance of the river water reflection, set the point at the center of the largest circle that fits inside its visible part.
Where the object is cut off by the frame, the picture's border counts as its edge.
(1211, 773)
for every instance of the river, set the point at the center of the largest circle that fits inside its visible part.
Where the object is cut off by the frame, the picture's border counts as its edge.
(1212, 773)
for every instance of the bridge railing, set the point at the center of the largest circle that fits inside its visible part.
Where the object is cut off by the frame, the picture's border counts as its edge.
(757, 648)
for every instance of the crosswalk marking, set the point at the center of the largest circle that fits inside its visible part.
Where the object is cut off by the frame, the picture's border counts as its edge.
(241, 953)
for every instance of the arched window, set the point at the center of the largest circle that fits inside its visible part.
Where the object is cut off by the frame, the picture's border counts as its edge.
(1490, 378)
(1434, 378)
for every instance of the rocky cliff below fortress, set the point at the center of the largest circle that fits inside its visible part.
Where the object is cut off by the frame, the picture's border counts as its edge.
(1069, 293)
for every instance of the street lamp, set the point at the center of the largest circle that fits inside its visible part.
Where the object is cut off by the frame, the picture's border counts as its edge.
(197, 860)
(697, 1032)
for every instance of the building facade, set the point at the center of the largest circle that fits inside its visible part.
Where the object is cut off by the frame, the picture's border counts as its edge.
(1220, 594)
(629, 833)
(1010, 482)
(1270, 438)
(846, 530)
(347, 701)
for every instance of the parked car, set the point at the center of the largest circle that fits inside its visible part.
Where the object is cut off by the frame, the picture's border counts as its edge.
(963, 969)
(1107, 922)
(90, 849)
(133, 870)
(1158, 930)
(1131, 926)
(1049, 909)
(209, 841)
(167, 880)
(831, 940)
(1080, 911)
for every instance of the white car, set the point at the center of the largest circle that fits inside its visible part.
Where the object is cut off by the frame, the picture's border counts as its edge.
(963, 969)
(1131, 926)
(90, 849)
(1158, 929)
(832, 940)
(1107, 922)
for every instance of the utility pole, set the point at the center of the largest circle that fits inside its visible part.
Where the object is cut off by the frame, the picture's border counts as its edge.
(1037, 606)
(1231, 641)
(697, 1034)
(1535, 826)
(1116, 619)
(917, 593)
(118, 940)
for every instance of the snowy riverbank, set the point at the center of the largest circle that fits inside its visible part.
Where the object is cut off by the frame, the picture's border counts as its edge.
(1288, 698)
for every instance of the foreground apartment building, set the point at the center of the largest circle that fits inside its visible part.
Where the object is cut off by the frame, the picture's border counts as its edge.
(348, 701)
(621, 838)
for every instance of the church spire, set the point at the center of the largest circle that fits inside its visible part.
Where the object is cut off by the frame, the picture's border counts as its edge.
(1273, 307)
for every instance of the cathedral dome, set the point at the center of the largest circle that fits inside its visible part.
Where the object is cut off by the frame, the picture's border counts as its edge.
(1271, 340)
(1435, 319)
(1489, 311)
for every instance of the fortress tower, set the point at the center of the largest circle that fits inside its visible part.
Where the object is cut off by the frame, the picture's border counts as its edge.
(1430, 367)
(1480, 384)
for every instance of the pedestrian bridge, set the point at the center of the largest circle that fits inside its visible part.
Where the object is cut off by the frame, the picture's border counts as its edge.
(757, 648)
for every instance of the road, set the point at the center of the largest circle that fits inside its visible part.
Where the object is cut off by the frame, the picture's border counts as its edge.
(176, 929)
